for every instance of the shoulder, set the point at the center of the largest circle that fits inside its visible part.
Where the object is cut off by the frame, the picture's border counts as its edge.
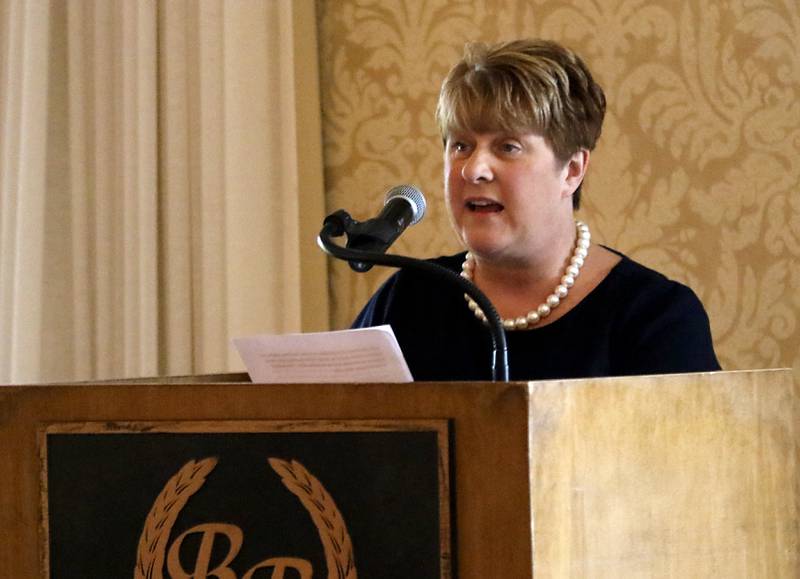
(660, 320)
(638, 282)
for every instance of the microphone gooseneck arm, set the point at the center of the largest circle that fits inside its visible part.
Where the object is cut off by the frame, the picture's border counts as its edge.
(337, 224)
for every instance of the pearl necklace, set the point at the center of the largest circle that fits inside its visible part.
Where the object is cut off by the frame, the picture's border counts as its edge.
(533, 317)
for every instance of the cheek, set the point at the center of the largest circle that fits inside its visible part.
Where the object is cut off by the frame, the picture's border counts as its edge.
(447, 172)
(449, 201)
(451, 198)
(450, 181)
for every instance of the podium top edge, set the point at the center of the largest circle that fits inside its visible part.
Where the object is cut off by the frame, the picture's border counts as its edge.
(242, 378)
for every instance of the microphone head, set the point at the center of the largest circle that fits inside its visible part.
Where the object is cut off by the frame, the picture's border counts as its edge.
(414, 197)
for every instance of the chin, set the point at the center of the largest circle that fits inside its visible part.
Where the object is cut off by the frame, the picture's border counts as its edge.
(485, 251)
(483, 243)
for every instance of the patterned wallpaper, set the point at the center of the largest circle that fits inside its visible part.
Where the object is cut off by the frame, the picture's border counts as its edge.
(697, 173)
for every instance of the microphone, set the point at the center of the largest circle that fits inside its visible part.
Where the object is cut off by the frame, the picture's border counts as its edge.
(404, 205)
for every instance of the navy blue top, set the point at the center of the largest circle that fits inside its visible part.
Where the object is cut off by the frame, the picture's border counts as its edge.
(636, 321)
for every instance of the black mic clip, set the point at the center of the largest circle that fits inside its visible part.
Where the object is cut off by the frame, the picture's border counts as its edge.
(361, 235)
(373, 235)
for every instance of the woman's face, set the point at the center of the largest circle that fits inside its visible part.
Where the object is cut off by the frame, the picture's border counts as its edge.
(507, 194)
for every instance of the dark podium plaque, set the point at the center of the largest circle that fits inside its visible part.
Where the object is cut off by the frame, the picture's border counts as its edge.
(247, 500)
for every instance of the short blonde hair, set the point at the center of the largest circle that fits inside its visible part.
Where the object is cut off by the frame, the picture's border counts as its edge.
(521, 86)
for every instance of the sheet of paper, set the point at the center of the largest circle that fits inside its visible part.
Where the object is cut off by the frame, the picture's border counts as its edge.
(362, 355)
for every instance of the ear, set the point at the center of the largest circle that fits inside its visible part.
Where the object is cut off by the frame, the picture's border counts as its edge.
(575, 170)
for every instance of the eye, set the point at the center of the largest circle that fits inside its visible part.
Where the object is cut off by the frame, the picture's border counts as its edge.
(457, 146)
(510, 147)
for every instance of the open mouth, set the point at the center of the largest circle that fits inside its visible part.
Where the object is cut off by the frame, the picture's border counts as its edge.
(484, 206)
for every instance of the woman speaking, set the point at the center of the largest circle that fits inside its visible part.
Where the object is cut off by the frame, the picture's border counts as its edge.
(519, 121)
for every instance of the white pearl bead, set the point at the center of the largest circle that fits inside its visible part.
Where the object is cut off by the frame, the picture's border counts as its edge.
(571, 272)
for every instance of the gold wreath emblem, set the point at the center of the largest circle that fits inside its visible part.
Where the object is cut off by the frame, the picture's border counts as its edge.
(324, 513)
(295, 477)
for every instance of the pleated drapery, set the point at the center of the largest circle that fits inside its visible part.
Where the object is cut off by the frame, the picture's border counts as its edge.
(161, 184)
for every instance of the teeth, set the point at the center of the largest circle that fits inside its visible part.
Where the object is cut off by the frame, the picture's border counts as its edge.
(482, 203)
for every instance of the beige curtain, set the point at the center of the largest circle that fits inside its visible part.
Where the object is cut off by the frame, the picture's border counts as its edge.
(161, 184)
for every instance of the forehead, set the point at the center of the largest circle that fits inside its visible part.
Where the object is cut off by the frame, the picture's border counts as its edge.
(476, 103)
(527, 135)
(487, 117)
(494, 134)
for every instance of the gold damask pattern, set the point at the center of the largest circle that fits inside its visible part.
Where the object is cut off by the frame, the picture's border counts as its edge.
(697, 173)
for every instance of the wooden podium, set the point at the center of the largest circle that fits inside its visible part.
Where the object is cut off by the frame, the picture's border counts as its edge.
(694, 475)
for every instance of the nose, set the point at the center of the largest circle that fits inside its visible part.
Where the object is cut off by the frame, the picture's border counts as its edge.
(477, 167)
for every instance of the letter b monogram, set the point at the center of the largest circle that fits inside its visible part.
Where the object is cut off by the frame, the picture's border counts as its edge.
(235, 538)
(201, 570)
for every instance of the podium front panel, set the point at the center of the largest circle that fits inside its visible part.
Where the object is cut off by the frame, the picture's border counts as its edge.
(129, 480)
